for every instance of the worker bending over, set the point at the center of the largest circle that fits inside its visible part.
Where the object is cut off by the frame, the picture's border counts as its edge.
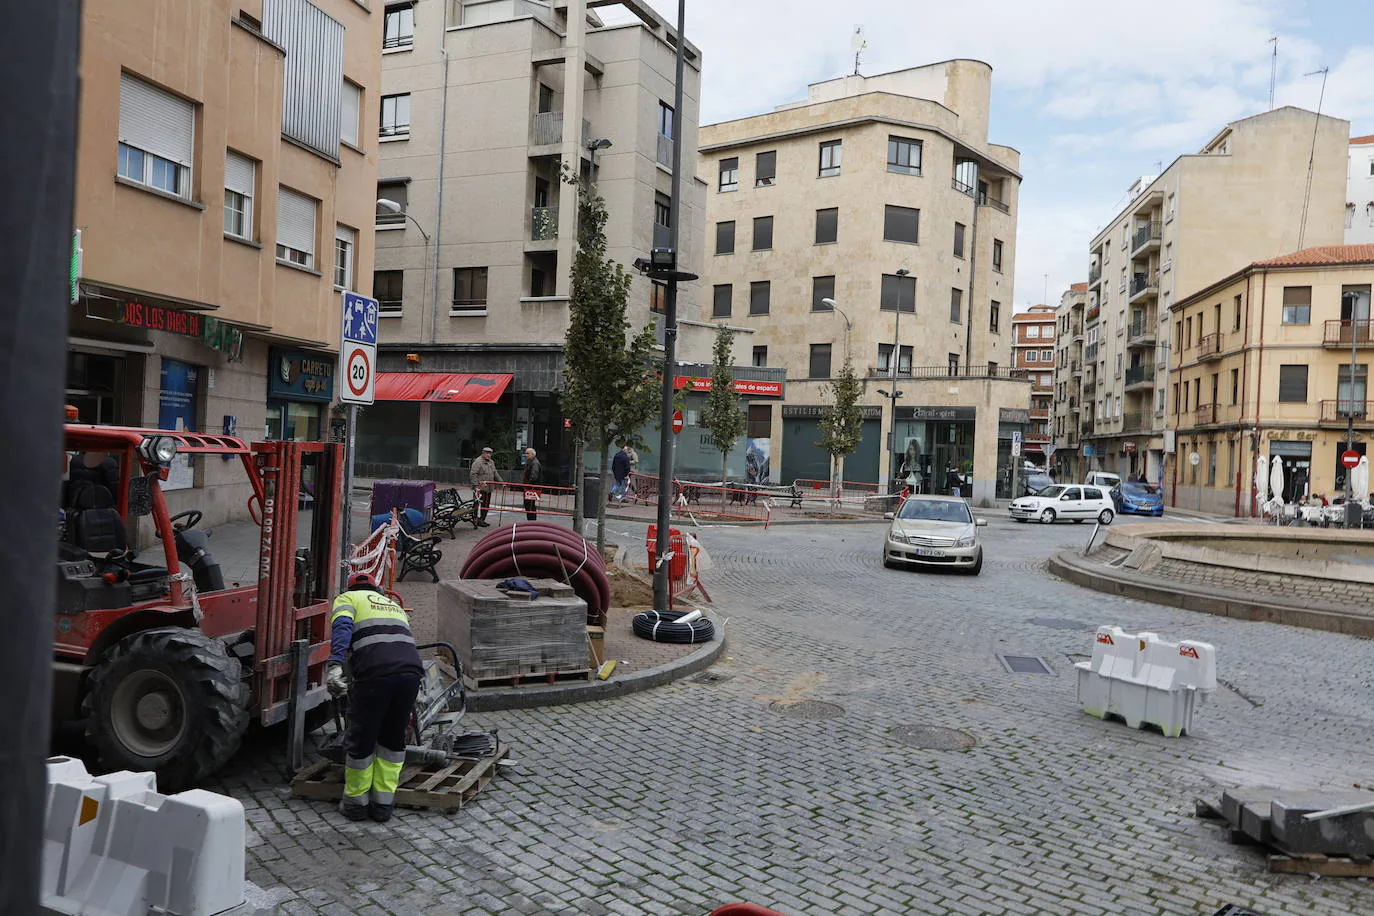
(374, 632)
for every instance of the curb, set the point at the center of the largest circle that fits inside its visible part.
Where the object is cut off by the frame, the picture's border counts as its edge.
(1070, 567)
(563, 694)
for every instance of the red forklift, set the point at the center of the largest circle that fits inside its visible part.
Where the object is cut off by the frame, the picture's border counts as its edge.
(165, 664)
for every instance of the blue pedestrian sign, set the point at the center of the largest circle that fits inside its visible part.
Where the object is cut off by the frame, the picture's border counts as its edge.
(359, 319)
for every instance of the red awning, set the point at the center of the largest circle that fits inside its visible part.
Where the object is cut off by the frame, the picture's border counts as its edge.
(441, 386)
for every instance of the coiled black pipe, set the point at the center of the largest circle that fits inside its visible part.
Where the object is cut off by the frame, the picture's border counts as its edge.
(662, 626)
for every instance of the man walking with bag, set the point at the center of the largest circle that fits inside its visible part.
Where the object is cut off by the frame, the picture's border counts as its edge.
(482, 475)
(531, 478)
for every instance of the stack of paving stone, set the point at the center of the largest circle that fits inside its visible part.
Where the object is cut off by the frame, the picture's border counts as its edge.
(1339, 842)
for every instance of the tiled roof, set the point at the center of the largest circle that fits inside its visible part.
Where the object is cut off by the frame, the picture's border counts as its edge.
(1360, 141)
(1079, 287)
(1323, 256)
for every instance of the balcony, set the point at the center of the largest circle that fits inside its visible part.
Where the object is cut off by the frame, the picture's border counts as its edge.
(961, 187)
(1134, 421)
(1146, 237)
(1338, 412)
(1091, 314)
(1344, 333)
(1094, 274)
(1138, 378)
(1072, 440)
(665, 151)
(1087, 426)
(986, 201)
(1090, 352)
(548, 129)
(1144, 285)
(1205, 415)
(1209, 347)
(1141, 333)
(1073, 405)
(884, 370)
(544, 224)
(1039, 413)
(1075, 368)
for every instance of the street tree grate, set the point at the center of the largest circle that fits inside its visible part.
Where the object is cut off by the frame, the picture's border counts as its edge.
(1025, 664)
(1059, 623)
(807, 709)
(932, 737)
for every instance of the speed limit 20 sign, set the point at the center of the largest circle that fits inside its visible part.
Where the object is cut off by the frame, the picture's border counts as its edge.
(358, 349)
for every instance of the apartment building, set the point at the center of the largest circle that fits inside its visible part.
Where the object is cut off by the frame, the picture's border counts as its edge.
(487, 106)
(1033, 350)
(1244, 196)
(1359, 195)
(1075, 372)
(1263, 367)
(224, 199)
(874, 222)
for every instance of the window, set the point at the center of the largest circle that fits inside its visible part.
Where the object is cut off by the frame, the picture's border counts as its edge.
(830, 158)
(1046, 356)
(663, 220)
(997, 256)
(1118, 365)
(395, 115)
(827, 225)
(1235, 386)
(956, 305)
(156, 137)
(954, 364)
(399, 28)
(721, 300)
(760, 356)
(295, 228)
(545, 100)
(729, 173)
(658, 297)
(765, 169)
(1188, 331)
(758, 423)
(469, 289)
(1352, 396)
(1236, 327)
(1159, 405)
(240, 178)
(898, 293)
(1297, 305)
(901, 224)
(395, 192)
(822, 288)
(725, 237)
(345, 243)
(903, 359)
(665, 120)
(350, 116)
(1175, 397)
(388, 287)
(1032, 330)
(820, 361)
(763, 233)
(959, 239)
(760, 291)
(903, 156)
(1293, 384)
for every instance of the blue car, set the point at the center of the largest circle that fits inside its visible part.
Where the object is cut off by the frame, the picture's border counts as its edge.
(1138, 499)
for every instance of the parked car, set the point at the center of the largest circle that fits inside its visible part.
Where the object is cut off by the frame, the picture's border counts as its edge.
(1104, 479)
(1034, 483)
(1072, 501)
(934, 531)
(1133, 498)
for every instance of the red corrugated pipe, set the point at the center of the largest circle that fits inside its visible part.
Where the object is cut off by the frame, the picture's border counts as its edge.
(541, 550)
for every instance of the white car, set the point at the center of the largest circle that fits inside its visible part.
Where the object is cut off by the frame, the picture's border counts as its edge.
(1078, 502)
(933, 531)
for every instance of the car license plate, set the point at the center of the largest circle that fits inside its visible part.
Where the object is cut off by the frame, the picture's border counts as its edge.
(927, 552)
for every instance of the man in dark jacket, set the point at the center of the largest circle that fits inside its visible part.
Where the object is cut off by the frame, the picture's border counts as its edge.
(954, 482)
(620, 469)
(532, 477)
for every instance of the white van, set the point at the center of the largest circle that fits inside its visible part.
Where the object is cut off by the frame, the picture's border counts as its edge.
(1104, 479)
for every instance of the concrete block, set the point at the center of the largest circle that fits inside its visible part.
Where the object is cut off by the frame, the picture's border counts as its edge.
(498, 635)
(1345, 835)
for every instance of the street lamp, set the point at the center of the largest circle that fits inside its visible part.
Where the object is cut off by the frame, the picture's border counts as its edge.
(391, 206)
(592, 147)
(894, 359)
(1350, 301)
(848, 326)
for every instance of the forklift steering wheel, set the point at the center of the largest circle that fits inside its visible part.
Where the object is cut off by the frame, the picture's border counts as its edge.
(192, 515)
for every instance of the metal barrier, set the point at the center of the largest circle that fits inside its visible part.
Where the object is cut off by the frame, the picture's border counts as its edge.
(718, 503)
(514, 497)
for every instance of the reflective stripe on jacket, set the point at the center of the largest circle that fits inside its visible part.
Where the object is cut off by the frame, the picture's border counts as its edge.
(376, 630)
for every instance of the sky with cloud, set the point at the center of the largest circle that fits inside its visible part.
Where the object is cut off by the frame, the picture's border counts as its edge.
(1093, 94)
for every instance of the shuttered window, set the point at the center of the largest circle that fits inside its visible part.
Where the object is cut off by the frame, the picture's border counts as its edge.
(312, 77)
(156, 136)
(352, 112)
(295, 228)
(239, 182)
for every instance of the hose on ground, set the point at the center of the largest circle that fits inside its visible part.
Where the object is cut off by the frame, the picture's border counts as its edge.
(662, 626)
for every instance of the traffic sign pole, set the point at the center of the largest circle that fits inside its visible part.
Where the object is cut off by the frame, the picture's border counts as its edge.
(358, 365)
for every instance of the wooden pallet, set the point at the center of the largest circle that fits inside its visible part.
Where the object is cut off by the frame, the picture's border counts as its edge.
(528, 679)
(1327, 866)
(445, 788)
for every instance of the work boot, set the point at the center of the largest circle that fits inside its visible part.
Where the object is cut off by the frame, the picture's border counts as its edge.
(380, 813)
(353, 812)
(483, 523)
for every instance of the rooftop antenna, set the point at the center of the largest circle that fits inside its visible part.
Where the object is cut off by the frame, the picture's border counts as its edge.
(1046, 298)
(859, 44)
(1311, 156)
(1273, 70)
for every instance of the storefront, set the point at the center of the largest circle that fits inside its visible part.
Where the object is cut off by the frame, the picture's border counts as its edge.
(696, 455)
(300, 387)
(1010, 422)
(934, 449)
(804, 459)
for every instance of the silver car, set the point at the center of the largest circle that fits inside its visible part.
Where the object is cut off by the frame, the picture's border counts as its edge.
(934, 531)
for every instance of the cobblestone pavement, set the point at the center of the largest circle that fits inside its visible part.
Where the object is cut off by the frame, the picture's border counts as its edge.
(727, 788)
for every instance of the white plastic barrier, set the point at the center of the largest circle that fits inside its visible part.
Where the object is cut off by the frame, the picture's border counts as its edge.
(113, 846)
(1142, 679)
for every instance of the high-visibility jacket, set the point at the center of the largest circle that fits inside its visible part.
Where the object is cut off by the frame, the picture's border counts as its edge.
(376, 630)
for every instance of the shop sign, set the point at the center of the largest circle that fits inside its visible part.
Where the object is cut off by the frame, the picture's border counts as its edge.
(1013, 415)
(299, 375)
(747, 387)
(157, 318)
(818, 412)
(1300, 435)
(937, 413)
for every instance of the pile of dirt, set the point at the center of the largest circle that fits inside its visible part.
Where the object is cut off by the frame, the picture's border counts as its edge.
(629, 592)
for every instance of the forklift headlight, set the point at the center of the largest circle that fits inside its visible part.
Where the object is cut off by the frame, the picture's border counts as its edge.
(158, 449)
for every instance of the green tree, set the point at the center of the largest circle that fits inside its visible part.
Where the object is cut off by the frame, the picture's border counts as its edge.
(721, 417)
(609, 383)
(842, 423)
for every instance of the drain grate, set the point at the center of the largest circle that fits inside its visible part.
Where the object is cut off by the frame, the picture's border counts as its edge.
(1059, 623)
(932, 737)
(807, 709)
(1232, 909)
(1025, 664)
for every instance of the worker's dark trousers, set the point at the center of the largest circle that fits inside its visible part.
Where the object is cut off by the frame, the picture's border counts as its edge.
(484, 497)
(378, 710)
(531, 509)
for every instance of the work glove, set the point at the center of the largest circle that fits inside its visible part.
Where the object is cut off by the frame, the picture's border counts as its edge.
(335, 680)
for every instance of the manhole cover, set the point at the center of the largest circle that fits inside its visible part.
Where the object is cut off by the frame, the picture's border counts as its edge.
(932, 737)
(1024, 664)
(710, 677)
(1059, 623)
(807, 709)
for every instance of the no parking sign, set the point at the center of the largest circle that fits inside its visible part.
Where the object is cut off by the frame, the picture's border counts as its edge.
(358, 349)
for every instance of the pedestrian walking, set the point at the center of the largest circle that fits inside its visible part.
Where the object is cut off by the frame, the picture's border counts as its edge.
(954, 482)
(532, 476)
(372, 633)
(620, 469)
(482, 475)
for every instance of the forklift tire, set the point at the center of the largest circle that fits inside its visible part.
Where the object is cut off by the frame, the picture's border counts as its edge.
(171, 700)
